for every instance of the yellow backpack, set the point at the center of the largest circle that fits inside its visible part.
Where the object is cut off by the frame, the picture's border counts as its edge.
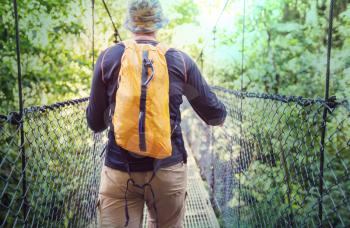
(141, 118)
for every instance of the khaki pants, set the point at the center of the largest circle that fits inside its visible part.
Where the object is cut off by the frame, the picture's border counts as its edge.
(169, 187)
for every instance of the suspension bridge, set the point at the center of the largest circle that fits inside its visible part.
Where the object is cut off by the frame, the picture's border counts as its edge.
(278, 161)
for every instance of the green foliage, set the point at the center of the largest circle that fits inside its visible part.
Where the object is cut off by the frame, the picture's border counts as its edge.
(285, 52)
(285, 49)
(53, 67)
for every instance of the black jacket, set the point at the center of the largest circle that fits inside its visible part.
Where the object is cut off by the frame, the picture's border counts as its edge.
(185, 79)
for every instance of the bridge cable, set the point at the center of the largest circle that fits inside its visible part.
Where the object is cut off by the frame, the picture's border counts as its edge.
(241, 115)
(95, 135)
(211, 149)
(211, 131)
(116, 31)
(93, 34)
(20, 117)
(243, 44)
(325, 111)
(213, 30)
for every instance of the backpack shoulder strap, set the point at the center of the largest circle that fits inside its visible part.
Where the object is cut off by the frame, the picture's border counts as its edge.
(163, 48)
(129, 43)
(184, 64)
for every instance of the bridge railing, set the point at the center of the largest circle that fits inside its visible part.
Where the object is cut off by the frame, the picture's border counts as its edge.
(52, 180)
(263, 167)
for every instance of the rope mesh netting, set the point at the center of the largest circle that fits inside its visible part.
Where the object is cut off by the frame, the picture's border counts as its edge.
(263, 166)
(57, 183)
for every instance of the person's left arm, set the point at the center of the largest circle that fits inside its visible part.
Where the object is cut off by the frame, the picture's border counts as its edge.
(106, 73)
(98, 102)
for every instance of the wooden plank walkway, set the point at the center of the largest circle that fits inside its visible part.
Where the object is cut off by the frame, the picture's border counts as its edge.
(199, 211)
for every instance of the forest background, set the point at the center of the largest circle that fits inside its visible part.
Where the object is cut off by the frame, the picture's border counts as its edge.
(285, 45)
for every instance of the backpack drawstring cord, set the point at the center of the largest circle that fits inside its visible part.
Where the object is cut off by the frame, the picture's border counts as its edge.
(148, 184)
(126, 203)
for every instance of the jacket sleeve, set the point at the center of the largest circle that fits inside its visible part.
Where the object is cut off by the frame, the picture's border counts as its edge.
(98, 102)
(204, 102)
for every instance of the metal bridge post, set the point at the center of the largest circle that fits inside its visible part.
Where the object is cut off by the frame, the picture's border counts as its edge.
(20, 95)
(212, 165)
(325, 113)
